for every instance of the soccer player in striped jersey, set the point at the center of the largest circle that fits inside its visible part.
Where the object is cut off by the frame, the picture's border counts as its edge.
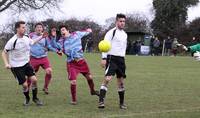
(72, 48)
(39, 55)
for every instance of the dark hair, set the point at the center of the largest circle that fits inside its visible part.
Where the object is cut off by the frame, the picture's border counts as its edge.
(17, 24)
(39, 24)
(64, 26)
(52, 27)
(120, 16)
(58, 34)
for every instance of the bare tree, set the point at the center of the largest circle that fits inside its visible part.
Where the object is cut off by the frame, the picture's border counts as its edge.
(134, 22)
(26, 5)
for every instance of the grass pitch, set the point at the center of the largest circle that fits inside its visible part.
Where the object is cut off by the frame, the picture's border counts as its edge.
(156, 87)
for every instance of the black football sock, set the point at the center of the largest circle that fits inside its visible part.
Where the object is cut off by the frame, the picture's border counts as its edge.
(34, 92)
(121, 97)
(26, 94)
(102, 93)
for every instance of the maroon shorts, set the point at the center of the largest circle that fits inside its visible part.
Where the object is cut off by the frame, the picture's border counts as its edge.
(76, 67)
(37, 62)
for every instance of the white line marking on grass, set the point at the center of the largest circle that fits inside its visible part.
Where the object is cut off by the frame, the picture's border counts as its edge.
(155, 112)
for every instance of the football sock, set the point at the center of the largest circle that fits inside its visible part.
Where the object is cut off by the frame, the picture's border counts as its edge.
(34, 92)
(121, 96)
(47, 80)
(26, 93)
(91, 84)
(73, 92)
(102, 95)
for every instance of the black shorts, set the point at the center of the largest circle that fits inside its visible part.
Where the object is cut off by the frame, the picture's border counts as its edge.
(21, 73)
(115, 65)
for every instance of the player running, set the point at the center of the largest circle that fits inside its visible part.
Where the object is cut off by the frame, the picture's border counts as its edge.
(16, 56)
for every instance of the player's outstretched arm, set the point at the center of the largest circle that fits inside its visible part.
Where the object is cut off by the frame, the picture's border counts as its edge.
(84, 32)
(51, 48)
(192, 48)
(183, 47)
(44, 35)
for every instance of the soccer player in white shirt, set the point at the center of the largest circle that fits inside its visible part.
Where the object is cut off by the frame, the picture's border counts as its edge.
(114, 61)
(16, 56)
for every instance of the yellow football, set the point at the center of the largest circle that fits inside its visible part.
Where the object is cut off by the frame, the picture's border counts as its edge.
(104, 45)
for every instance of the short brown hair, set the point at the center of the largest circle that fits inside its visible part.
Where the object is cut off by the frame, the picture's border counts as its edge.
(39, 24)
(17, 24)
(64, 26)
(120, 16)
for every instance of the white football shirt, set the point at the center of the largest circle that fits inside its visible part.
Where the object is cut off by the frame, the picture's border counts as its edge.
(118, 43)
(20, 54)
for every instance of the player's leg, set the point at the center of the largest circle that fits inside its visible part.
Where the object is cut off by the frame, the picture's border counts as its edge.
(48, 74)
(35, 64)
(26, 93)
(35, 90)
(31, 76)
(48, 77)
(120, 72)
(103, 90)
(72, 74)
(19, 74)
(73, 92)
(121, 92)
(90, 82)
(84, 69)
(109, 72)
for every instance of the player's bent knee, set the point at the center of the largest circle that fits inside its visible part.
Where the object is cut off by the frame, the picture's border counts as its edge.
(73, 82)
(48, 71)
(89, 77)
(121, 84)
(33, 79)
(108, 78)
(25, 85)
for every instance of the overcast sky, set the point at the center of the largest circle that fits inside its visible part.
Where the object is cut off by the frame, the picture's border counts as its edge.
(97, 10)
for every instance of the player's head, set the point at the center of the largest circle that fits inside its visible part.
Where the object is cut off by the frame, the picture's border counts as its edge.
(156, 38)
(120, 21)
(20, 27)
(52, 30)
(64, 30)
(39, 28)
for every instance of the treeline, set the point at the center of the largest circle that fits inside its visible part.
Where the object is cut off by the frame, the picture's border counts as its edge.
(134, 22)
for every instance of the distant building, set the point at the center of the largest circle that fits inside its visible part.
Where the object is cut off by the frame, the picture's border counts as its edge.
(138, 42)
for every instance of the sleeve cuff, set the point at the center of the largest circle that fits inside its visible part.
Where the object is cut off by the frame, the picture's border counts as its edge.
(104, 55)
